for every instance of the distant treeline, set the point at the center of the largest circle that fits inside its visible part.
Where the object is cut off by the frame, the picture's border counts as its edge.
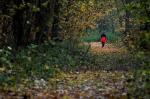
(23, 22)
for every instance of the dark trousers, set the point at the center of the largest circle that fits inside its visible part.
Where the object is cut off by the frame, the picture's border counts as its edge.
(103, 44)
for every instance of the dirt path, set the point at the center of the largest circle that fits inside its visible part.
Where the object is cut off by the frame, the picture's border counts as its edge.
(108, 48)
(79, 85)
(99, 84)
(91, 85)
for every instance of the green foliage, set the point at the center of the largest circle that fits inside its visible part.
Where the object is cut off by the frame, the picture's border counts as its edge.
(5, 56)
(139, 84)
(138, 37)
(30, 21)
(94, 36)
(144, 40)
(45, 60)
(112, 37)
(37, 18)
(91, 36)
(38, 62)
(24, 22)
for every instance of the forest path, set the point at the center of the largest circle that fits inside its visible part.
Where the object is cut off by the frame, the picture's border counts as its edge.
(89, 84)
(79, 85)
(108, 48)
(92, 85)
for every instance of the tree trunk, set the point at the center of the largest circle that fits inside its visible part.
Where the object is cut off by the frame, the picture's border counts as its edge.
(56, 19)
(18, 25)
(127, 18)
(146, 7)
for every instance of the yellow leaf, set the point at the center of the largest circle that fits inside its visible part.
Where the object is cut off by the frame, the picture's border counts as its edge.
(46, 66)
(2, 69)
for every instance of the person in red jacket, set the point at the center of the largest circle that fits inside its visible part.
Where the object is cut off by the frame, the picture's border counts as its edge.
(103, 40)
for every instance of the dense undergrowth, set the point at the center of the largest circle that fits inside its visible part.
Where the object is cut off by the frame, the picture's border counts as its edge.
(94, 36)
(139, 83)
(42, 62)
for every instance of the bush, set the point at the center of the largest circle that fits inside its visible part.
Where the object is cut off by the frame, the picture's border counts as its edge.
(40, 62)
(93, 36)
(139, 84)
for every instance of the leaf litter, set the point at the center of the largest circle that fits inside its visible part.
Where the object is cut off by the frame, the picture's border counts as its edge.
(97, 84)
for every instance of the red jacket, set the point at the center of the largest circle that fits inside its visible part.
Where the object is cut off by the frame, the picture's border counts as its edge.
(103, 39)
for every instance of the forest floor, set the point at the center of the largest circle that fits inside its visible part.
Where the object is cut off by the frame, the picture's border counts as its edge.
(108, 48)
(94, 84)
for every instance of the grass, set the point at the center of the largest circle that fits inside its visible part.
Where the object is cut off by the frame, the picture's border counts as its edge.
(39, 62)
(94, 35)
(57, 63)
(44, 61)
